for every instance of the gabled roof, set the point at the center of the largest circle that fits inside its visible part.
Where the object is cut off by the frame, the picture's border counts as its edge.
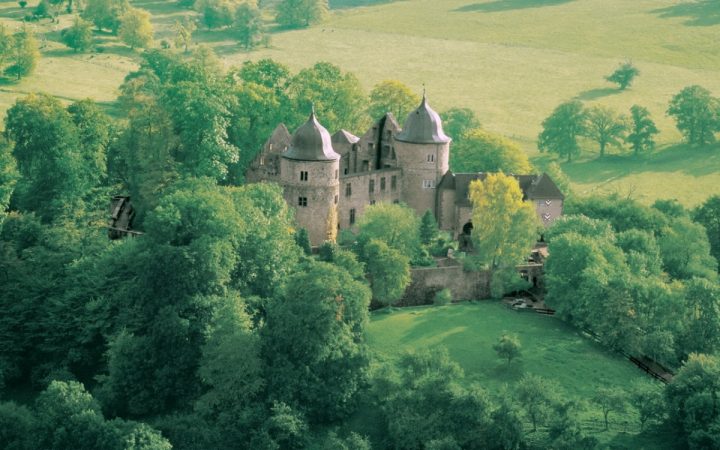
(344, 137)
(533, 186)
(423, 126)
(311, 142)
(279, 140)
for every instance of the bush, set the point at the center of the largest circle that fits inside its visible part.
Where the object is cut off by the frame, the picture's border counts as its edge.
(443, 297)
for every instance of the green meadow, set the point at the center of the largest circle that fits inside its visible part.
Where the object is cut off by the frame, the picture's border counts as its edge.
(511, 61)
(550, 349)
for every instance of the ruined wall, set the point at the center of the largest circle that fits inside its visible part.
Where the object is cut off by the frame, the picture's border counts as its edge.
(463, 285)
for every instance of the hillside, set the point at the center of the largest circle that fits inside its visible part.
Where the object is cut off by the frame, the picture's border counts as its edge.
(511, 61)
(550, 349)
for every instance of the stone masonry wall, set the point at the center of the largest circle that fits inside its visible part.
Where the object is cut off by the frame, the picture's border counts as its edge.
(463, 285)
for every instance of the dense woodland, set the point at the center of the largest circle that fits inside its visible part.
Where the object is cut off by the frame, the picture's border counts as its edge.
(218, 329)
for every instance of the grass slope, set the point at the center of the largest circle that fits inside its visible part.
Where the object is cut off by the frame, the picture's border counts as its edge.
(550, 349)
(511, 61)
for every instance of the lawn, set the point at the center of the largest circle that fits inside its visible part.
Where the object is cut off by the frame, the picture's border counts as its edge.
(550, 349)
(511, 61)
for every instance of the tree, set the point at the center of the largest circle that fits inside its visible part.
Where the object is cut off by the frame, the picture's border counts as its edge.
(480, 151)
(648, 399)
(536, 396)
(300, 13)
(8, 177)
(641, 130)
(183, 33)
(391, 96)
(78, 36)
(313, 342)
(685, 250)
(48, 152)
(691, 397)
(217, 13)
(610, 399)
(388, 271)
(105, 14)
(95, 133)
(428, 227)
(136, 30)
(708, 215)
(702, 321)
(696, 113)
(248, 26)
(7, 43)
(24, 54)
(458, 121)
(508, 347)
(560, 178)
(623, 75)
(605, 127)
(303, 241)
(338, 97)
(562, 129)
(504, 226)
(394, 224)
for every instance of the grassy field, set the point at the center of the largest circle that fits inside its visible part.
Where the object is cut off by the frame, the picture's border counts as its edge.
(550, 349)
(511, 61)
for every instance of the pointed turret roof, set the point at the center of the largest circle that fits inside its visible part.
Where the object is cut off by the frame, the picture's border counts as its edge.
(423, 126)
(311, 142)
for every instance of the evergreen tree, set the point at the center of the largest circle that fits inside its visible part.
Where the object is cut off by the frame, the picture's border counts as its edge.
(428, 227)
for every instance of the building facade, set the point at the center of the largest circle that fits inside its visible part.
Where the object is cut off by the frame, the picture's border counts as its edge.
(330, 180)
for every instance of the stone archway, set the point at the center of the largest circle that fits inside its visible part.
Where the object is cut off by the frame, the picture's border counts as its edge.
(465, 238)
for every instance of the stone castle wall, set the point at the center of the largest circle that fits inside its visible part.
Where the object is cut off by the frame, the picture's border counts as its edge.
(360, 196)
(426, 282)
(422, 163)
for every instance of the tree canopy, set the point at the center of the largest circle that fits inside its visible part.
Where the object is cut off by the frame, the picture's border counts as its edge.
(392, 96)
(562, 129)
(480, 151)
(696, 113)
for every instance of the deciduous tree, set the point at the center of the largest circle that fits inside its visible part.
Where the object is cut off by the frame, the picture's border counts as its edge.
(105, 14)
(508, 347)
(24, 54)
(8, 177)
(480, 151)
(641, 130)
(458, 121)
(136, 30)
(504, 225)
(78, 36)
(536, 397)
(300, 13)
(708, 215)
(696, 113)
(394, 224)
(248, 25)
(388, 271)
(624, 75)
(392, 96)
(183, 33)
(605, 127)
(562, 129)
(609, 400)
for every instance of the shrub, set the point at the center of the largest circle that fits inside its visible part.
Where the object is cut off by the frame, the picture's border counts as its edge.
(443, 297)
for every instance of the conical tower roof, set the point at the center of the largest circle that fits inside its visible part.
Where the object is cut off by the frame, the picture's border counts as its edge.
(423, 126)
(311, 142)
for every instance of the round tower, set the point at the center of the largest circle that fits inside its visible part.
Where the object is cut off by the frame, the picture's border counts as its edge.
(423, 152)
(309, 174)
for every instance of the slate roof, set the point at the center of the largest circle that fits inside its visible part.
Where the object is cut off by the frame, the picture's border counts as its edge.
(423, 126)
(311, 142)
(533, 186)
(344, 137)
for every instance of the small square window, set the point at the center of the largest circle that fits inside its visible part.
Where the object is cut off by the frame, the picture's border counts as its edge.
(428, 184)
(302, 201)
(303, 175)
(372, 202)
(348, 190)
(430, 158)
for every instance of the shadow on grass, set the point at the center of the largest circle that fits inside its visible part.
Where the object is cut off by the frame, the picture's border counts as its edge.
(594, 94)
(509, 5)
(691, 160)
(508, 372)
(347, 4)
(700, 13)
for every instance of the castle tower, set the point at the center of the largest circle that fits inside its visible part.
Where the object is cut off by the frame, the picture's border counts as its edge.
(309, 173)
(423, 152)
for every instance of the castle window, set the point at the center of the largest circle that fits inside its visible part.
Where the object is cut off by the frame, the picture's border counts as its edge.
(396, 201)
(365, 165)
(428, 184)
(345, 171)
(371, 187)
(352, 216)
(348, 190)
(430, 158)
(372, 202)
(303, 175)
(393, 182)
(262, 160)
(336, 199)
(336, 174)
(382, 183)
(302, 201)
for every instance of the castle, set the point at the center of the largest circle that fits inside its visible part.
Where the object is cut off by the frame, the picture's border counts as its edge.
(330, 180)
